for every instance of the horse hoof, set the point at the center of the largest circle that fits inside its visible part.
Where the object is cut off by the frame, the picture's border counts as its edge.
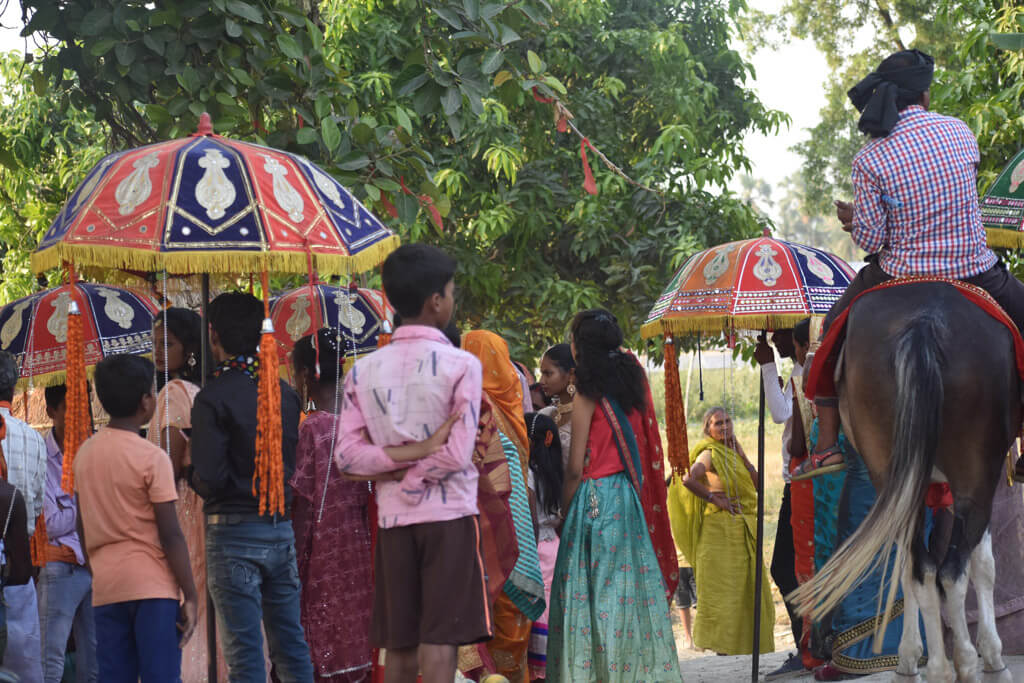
(1001, 676)
(897, 677)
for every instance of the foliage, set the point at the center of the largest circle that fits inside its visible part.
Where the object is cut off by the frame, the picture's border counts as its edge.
(429, 110)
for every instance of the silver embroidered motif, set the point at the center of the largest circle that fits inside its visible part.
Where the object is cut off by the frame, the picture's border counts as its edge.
(136, 187)
(12, 327)
(816, 266)
(287, 197)
(91, 184)
(348, 315)
(767, 269)
(57, 324)
(116, 309)
(325, 184)
(214, 191)
(299, 321)
(718, 264)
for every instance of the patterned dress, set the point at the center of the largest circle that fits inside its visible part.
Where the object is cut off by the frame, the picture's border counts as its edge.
(333, 557)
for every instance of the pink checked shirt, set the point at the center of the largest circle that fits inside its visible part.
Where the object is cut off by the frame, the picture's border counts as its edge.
(916, 198)
(400, 394)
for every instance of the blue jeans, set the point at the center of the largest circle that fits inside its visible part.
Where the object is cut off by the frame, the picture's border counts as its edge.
(65, 605)
(253, 579)
(138, 639)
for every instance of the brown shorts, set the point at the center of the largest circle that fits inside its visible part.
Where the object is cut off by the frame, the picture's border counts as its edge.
(430, 586)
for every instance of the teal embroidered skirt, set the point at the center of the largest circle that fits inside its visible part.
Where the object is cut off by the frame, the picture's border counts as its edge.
(609, 620)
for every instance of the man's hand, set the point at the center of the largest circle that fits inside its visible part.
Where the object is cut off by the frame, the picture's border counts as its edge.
(763, 353)
(187, 620)
(844, 212)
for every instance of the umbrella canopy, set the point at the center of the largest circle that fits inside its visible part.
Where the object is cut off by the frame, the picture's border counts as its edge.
(1002, 207)
(358, 313)
(35, 329)
(207, 204)
(756, 284)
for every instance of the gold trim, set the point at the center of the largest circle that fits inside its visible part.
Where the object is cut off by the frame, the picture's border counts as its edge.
(1003, 238)
(718, 322)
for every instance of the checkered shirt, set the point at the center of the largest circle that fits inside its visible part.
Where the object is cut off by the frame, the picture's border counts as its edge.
(25, 452)
(916, 198)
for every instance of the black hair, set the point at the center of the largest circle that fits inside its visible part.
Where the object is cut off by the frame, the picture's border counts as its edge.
(55, 395)
(902, 60)
(453, 333)
(413, 273)
(603, 370)
(545, 461)
(237, 318)
(122, 381)
(332, 354)
(802, 332)
(8, 376)
(187, 327)
(545, 399)
(561, 355)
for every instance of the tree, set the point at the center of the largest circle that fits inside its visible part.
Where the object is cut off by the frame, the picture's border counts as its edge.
(440, 115)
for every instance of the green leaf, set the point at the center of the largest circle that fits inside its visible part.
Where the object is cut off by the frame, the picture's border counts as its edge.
(232, 27)
(472, 8)
(1007, 41)
(449, 16)
(451, 101)
(40, 83)
(493, 60)
(491, 10)
(125, 53)
(555, 84)
(403, 119)
(154, 43)
(362, 133)
(508, 35)
(372, 191)
(387, 184)
(95, 22)
(189, 80)
(289, 46)
(331, 133)
(412, 85)
(247, 11)
(242, 76)
(354, 162)
(455, 124)
(408, 208)
(306, 136)
(102, 47)
(536, 63)
(322, 107)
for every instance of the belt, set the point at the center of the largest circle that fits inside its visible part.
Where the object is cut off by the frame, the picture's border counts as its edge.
(244, 518)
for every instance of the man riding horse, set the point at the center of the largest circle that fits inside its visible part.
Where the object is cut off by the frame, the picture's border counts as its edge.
(915, 210)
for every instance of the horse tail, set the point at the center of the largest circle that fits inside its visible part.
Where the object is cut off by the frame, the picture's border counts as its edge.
(890, 527)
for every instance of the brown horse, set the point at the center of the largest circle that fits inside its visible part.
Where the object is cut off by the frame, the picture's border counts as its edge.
(928, 392)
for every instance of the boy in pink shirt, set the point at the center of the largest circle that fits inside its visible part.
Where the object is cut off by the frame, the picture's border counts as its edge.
(409, 417)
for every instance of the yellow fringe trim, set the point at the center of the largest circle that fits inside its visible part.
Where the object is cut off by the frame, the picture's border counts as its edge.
(718, 322)
(195, 262)
(57, 377)
(1005, 239)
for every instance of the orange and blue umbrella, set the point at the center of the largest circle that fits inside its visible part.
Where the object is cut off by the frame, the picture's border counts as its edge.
(34, 329)
(209, 204)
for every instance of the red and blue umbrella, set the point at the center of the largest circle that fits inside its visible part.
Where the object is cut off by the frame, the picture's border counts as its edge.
(208, 204)
(34, 329)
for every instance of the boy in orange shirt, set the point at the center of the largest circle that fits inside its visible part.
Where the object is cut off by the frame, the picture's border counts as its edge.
(129, 530)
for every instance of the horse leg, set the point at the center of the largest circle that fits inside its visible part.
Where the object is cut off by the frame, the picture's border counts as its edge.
(954, 582)
(939, 669)
(911, 646)
(983, 573)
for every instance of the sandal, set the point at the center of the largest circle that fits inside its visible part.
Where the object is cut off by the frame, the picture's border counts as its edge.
(814, 466)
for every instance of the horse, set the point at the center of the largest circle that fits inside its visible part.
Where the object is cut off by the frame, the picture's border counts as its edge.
(928, 391)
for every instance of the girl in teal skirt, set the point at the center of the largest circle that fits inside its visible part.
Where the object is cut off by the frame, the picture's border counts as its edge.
(616, 567)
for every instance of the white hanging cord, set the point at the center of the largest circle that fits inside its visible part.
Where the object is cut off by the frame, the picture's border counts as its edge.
(164, 424)
(338, 338)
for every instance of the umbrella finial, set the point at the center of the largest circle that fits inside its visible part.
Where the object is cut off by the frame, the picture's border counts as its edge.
(205, 124)
(766, 231)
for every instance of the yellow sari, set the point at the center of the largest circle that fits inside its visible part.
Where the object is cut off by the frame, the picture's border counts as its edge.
(722, 549)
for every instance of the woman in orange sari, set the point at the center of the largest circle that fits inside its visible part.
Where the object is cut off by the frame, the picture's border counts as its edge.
(522, 599)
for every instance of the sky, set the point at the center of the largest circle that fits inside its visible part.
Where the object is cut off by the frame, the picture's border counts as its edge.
(789, 79)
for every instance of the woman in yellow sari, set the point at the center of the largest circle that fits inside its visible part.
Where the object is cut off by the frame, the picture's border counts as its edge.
(714, 518)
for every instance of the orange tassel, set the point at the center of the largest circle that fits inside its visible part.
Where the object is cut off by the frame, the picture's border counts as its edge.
(268, 480)
(38, 542)
(675, 413)
(384, 338)
(76, 427)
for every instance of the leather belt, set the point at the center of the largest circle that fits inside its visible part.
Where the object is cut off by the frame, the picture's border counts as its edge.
(244, 518)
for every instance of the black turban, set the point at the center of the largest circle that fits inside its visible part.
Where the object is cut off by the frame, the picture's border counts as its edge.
(876, 96)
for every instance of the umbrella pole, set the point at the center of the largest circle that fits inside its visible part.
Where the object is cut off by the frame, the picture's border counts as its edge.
(211, 617)
(759, 564)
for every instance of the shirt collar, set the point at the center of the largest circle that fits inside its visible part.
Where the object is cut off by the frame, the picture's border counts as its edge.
(910, 112)
(420, 332)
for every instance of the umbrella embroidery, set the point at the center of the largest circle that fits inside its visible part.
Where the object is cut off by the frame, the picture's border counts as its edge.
(214, 191)
(299, 321)
(816, 266)
(136, 186)
(718, 264)
(91, 183)
(1017, 177)
(287, 196)
(12, 327)
(115, 309)
(325, 184)
(767, 269)
(58, 322)
(349, 316)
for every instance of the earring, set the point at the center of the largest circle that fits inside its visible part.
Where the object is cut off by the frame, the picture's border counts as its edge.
(191, 362)
(571, 390)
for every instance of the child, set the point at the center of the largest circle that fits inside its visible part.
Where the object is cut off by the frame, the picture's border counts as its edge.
(130, 534)
(544, 481)
(420, 387)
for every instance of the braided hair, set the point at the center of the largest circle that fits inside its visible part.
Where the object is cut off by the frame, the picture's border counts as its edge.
(603, 369)
(545, 461)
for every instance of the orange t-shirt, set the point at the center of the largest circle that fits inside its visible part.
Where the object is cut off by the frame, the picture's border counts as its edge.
(119, 476)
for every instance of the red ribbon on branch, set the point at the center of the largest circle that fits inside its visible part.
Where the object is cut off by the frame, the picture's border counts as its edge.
(588, 176)
(543, 100)
(425, 201)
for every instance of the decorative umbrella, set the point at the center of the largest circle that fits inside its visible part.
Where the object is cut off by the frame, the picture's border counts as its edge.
(35, 329)
(757, 284)
(358, 314)
(208, 204)
(1002, 207)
